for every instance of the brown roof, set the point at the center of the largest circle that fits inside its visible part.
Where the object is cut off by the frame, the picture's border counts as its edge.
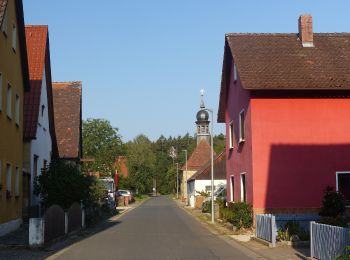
(279, 61)
(199, 157)
(204, 173)
(3, 4)
(67, 110)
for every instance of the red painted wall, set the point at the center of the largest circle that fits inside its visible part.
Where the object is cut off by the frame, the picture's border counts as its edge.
(297, 147)
(239, 159)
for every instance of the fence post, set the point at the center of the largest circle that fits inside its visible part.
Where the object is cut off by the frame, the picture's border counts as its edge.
(36, 232)
(82, 215)
(273, 230)
(66, 223)
(311, 240)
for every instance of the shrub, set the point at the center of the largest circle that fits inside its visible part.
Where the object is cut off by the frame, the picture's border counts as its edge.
(338, 221)
(291, 231)
(206, 207)
(242, 215)
(333, 203)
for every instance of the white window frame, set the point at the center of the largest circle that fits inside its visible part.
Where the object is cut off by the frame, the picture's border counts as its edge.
(232, 190)
(234, 72)
(243, 190)
(8, 176)
(17, 182)
(230, 135)
(4, 23)
(17, 109)
(14, 37)
(337, 181)
(9, 101)
(241, 126)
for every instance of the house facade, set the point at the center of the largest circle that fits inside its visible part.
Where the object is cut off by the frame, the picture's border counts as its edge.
(67, 103)
(201, 180)
(285, 100)
(13, 84)
(39, 134)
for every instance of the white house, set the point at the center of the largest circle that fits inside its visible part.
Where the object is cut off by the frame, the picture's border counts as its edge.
(201, 180)
(40, 142)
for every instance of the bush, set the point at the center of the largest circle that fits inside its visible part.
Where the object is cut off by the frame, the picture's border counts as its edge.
(242, 215)
(338, 221)
(333, 203)
(206, 206)
(292, 231)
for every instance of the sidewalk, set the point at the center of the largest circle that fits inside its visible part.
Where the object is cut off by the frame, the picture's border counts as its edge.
(279, 252)
(15, 244)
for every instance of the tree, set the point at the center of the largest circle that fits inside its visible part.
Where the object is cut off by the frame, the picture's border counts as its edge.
(102, 142)
(63, 184)
(141, 164)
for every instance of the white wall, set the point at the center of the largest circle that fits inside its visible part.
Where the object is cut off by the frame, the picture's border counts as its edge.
(42, 145)
(200, 184)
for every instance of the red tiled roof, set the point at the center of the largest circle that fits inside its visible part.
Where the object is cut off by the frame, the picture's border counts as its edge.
(204, 173)
(37, 50)
(199, 157)
(279, 61)
(3, 4)
(67, 110)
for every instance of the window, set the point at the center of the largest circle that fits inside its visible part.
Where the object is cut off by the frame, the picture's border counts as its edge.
(17, 110)
(234, 72)
(0, 91)
(4, 23)
(8, 101)
(243, 188)
(42, 110)
(14, 37)
(241, 126)
(35, 166)
(232, 188)
(230, 135)
(343, 185)
(17, 182)
(8, 176)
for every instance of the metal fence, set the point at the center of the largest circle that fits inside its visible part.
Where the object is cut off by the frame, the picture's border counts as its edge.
(266, 228)
(327, 241)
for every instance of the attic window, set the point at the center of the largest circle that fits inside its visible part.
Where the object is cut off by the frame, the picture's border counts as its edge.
(4, 24)
(42, 110)
(241, 127)
(234, 73)
(14, 37)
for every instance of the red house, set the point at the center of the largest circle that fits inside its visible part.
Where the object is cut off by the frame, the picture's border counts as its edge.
(285, 100)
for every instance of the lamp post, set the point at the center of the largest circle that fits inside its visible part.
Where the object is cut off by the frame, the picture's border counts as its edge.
(186, 176)
(177, 180)
(212, 163)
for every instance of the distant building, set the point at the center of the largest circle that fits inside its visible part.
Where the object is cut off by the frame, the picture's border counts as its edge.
(201, 180)
(14, 81)
(67, 99)
(39, 132)
(121, 166)
(285, 100)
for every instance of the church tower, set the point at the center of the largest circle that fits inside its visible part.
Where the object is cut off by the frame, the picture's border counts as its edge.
(202, 122)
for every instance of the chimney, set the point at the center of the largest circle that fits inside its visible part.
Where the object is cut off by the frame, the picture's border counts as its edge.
(305, 30)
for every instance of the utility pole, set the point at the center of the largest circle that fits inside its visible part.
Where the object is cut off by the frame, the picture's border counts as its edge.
(177, 180)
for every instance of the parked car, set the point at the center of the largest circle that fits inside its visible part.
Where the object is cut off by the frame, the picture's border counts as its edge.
(125, 193)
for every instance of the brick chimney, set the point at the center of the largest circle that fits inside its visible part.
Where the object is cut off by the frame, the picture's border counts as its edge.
(305, 30)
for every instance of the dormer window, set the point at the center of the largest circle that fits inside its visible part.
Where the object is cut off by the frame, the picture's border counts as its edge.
(42, 110)
(4, 24)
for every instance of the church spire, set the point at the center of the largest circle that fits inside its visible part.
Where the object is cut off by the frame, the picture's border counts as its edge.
(202, 122)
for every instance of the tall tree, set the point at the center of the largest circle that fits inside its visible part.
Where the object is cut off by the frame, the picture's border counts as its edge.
(102, 142)
(141, 164)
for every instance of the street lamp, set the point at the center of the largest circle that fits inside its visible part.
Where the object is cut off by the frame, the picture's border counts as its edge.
(212, 163)
(186, 177)
(177, 180)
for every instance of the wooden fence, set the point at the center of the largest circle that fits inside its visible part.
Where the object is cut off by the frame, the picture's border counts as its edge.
(327, 241)
(266, 228)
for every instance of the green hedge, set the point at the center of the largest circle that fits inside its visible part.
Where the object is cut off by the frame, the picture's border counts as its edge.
(240, 214)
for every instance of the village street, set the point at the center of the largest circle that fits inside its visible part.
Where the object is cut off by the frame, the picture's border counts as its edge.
(157, 229)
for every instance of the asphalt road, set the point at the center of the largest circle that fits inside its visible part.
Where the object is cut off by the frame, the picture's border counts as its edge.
(157, 229)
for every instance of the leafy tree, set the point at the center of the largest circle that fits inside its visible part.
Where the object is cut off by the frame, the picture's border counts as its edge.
(141, 164)
(102, 142)
(63, 184)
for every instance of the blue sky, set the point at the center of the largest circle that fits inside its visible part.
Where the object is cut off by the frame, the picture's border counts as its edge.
(143, 63)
